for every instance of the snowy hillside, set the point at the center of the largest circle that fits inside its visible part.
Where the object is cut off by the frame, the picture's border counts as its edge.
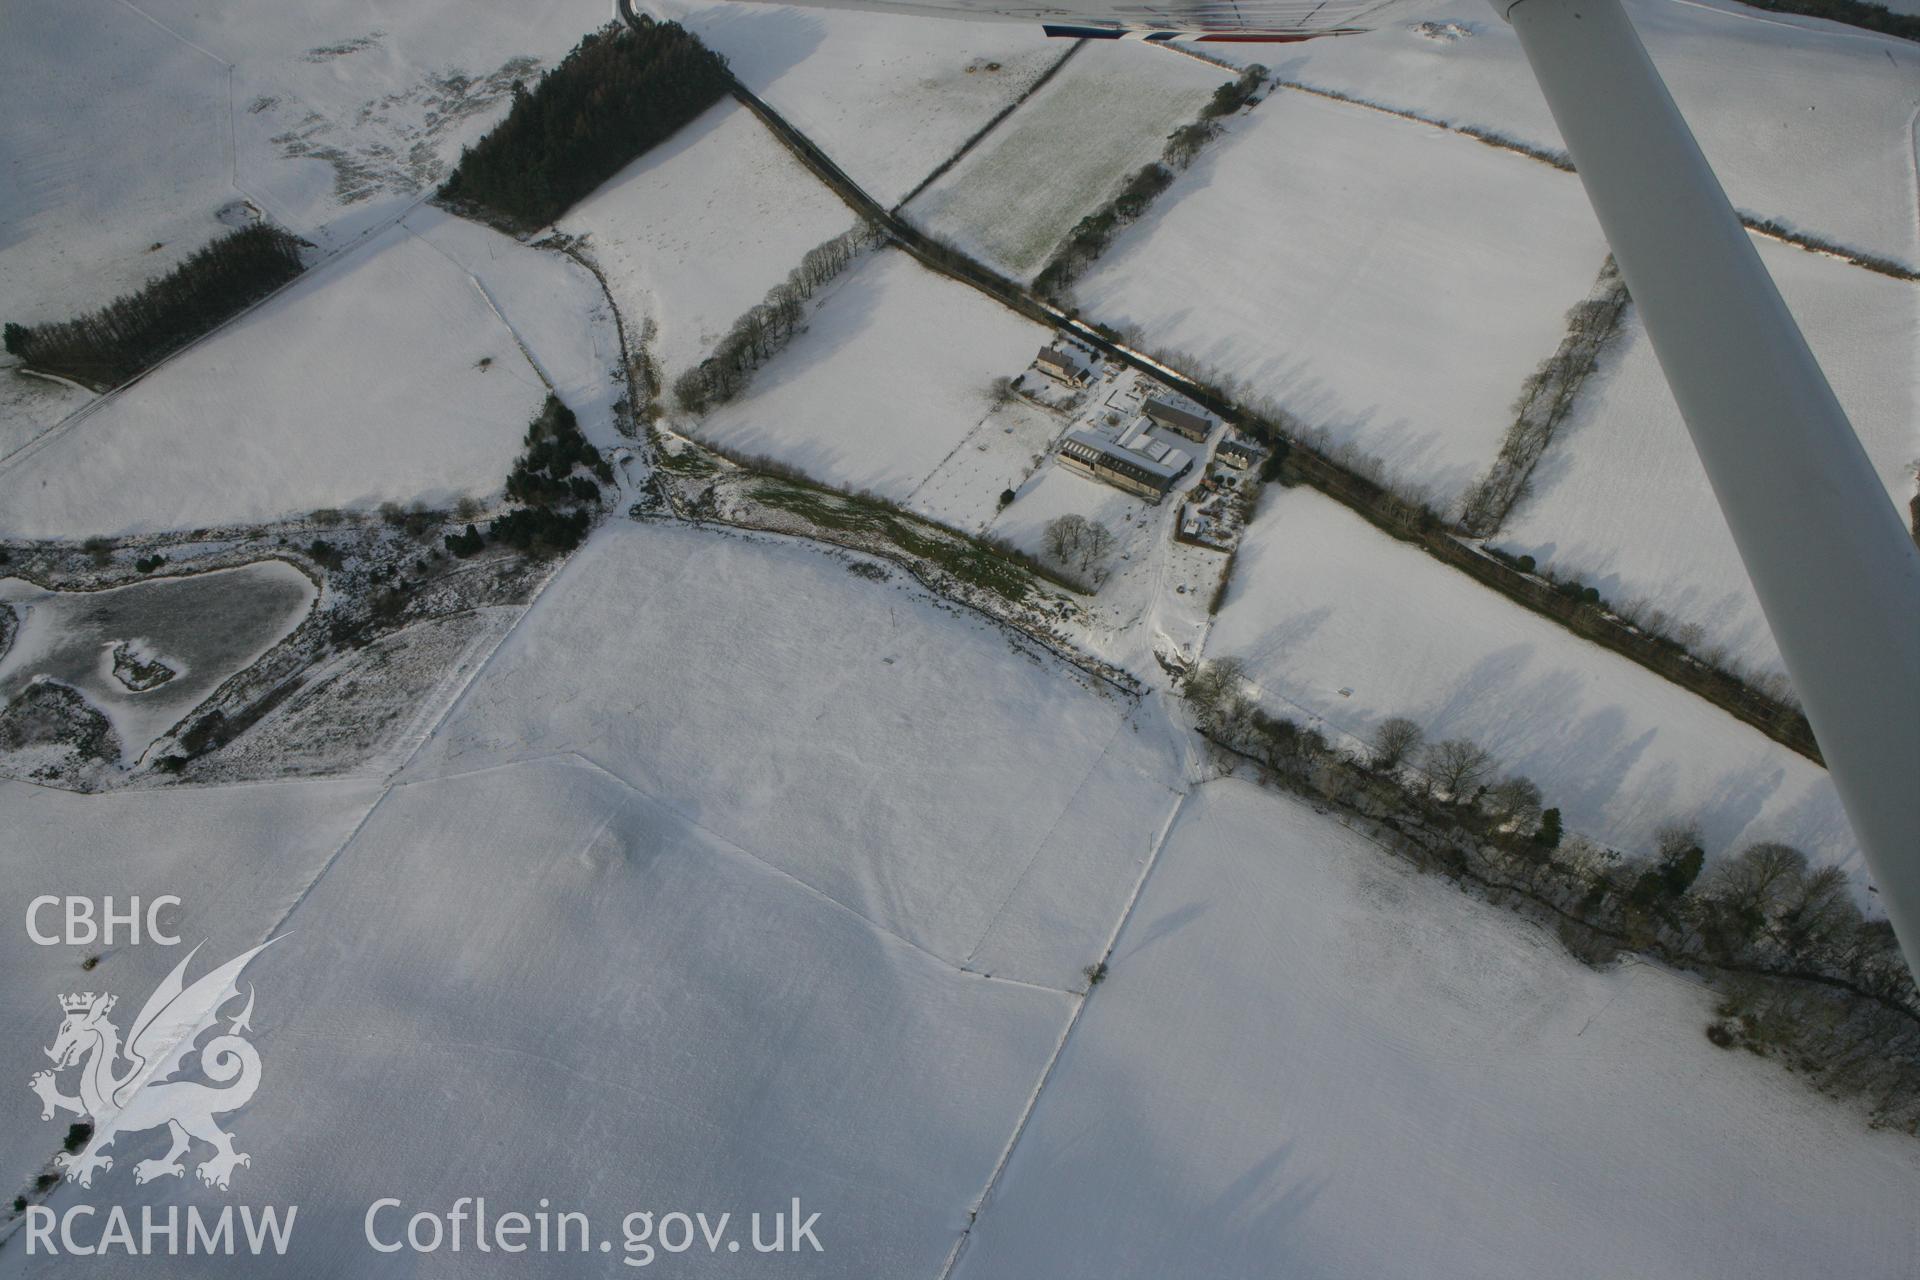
(384, 376)
(1620, 502)
(887, 97)
(330, 118)
(1306, 1062)
(680, 932)
(650, 819)
(830, 749)
(1383, 282)
(98, 199)
(696, 231)
(1013, 199)
(1806, 121)
(787, 864)
(894, 370)
(1339, 621)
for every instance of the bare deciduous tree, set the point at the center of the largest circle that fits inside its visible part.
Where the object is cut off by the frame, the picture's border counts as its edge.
(1822, 907)
(1063, 538)
(1393, 741)
(1514, 800)
(1075, 542)
(1456, 766)
(1760, 878)
(1214, 686)
(1675, 838)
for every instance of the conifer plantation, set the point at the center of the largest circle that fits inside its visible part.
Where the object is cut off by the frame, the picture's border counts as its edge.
(134, 332)
(619, 93)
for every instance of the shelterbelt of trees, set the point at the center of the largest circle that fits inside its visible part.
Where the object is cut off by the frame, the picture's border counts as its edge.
(133, 332)
(619, 93)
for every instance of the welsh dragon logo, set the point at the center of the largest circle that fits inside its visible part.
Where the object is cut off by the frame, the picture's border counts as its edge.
(142, 1094)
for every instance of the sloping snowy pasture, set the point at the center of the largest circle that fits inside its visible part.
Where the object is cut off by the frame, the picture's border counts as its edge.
(643, 930)
(1384, 282)
(1339, 621)
(550, 302)
(385, 375)
(30, 405)
(132, 130)
(237, 857)
(888, 97)
(836, 913)
(1804, 120)
(534, 982)
(1064, 153)
(799, 923)
(345, 112)
(1310, 1061)
(99, 198)
(895, 369)
(1620, 502)
(830, 743)
(695, 232)
(1000, 454)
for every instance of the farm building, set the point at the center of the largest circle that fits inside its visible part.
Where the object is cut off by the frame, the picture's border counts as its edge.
(1133, 460)
(1191, 424)
(1062, 366)
(1237, 453)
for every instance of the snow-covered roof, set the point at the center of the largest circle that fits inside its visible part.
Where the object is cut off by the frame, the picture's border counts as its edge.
(1166, 464)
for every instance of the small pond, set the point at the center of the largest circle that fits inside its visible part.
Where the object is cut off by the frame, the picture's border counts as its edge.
(148, 653)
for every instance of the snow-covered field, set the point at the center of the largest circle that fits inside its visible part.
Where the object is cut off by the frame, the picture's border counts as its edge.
(30, 405)
(828, 744)
(1806, 121)
(551, 303)
(643, 930)
(894, 371)
(723, 874)
(1620, 502)
(237, 857)
(696, 231)
(1382, 281)
(362, 382)
(331, 117)
(1322, 602)
(539, 982)
(98, 198)
(1064, 153)
(343, 113)
(888, 97)
(1001, 453)
(1309, 1061)
(682, 932)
